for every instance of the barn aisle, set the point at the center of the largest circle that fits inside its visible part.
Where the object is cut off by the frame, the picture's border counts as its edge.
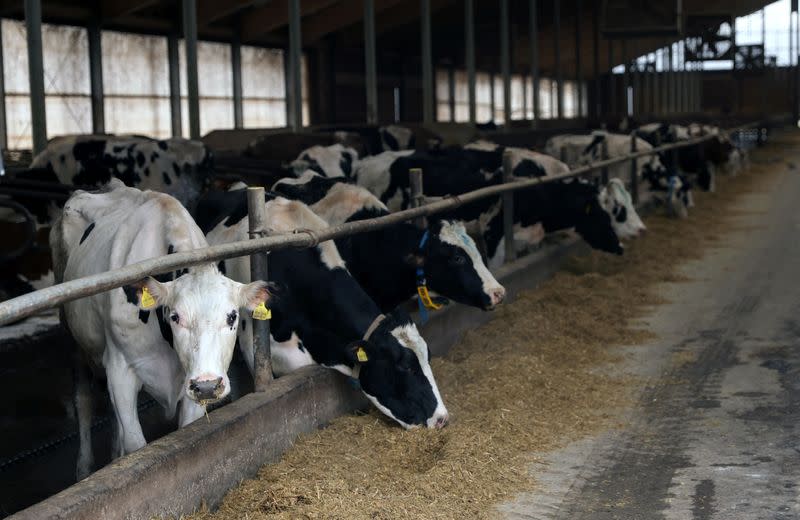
(715, 432)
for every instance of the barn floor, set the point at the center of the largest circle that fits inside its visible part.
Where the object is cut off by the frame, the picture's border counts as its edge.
(715, 431)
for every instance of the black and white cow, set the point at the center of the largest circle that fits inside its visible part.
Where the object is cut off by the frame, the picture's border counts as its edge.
(173, 338)
(176, 166)
(395, 138)
(613, 197)
(390, 262)
(331, 161)
(324, 316)
(458, 171)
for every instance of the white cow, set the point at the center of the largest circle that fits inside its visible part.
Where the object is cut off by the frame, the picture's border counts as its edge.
(173, 337)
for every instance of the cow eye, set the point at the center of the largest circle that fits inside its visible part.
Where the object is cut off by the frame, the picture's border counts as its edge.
(174, 317)
(458, 260)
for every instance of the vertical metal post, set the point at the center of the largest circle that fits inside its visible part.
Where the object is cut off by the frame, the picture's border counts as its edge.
(508, 209)
(673, 95)
(612, 94)
(370, 66)
(236, 66)
(417, 194)
(3, 123)
(634, 173)
(294, 94)
(257, 217)
(173, 59)
(559, 69)
(190, 39)
(33, 24)
(598, 105)
(626, 79)
(650, 82)
(505, 62)
(96, 77)
(451, 92)
(427, 62)
(469, 57)
(578, 70)
(533, 29)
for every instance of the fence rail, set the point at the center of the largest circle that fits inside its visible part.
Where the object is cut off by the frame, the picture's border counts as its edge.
(31, 303)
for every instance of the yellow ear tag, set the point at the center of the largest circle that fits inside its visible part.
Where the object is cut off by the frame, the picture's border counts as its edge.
(425, 298)
(361, 355)
(261, 312)
(147, 299)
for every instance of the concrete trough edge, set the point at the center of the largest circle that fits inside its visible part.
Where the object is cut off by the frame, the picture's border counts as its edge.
(175, 474)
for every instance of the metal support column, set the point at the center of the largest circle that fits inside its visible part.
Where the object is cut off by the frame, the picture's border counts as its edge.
(257, 221)
(451, 92)
(559, 70)
(294, 94)
(612, 94)
(672, 105)
(96, 77)
(626, 81)
(533, 29)
(598, 105)
(634, 186)
(369, 62)
(427, 62)
(469, 51)
(173, 60)
(3, 123)
(505, 62)
(236, 66)
(578, 70)
(190, 39)
(33, 24)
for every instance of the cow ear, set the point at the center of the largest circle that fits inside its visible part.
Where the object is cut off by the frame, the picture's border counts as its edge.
(254, 294)
(359, 352)
(150, 293)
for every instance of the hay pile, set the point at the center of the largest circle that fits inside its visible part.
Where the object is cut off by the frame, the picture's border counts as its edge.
(531, 380)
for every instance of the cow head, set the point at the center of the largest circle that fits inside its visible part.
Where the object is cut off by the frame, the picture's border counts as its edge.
(394, 372)
(202, 309)
(594, 226)
(453, 266)
(616, 201)
(652, 167)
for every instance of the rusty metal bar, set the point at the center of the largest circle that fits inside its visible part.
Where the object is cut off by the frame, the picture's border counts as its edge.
(257, 219)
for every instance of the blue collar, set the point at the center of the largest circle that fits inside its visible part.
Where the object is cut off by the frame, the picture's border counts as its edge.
(420, 248)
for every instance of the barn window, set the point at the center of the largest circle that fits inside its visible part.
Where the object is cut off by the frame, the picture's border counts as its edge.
(517, 97)
(442, 95)
(66, 81)
(263, 88)
(136, 81)
(215, 86)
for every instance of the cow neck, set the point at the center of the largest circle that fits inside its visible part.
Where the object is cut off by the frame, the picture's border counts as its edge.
(424, 300)
(356, 370)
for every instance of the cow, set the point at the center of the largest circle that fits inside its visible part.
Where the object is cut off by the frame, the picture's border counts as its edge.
(613, 197)
(453, 172)
(395, 138)
(331, 161)
(391, 263)
(177, 166)
(323, 316)
(172, 335)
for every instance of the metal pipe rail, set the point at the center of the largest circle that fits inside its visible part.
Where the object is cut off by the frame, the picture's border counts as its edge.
(27, 304)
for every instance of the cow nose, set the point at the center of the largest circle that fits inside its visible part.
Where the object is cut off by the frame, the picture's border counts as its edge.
(442, 420)
(206, 388)
(497, 296)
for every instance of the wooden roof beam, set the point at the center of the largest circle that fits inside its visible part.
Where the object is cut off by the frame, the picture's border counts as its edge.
(112, 9)
(343, 15)
(209, 11)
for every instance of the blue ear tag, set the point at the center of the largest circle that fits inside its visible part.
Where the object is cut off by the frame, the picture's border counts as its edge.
(354, 383)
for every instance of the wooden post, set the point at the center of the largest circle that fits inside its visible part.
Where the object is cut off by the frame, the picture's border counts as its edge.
(257, 216)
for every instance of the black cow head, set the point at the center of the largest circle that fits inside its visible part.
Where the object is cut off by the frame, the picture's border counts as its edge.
(594, 226)
(395, 374)
(453, 266)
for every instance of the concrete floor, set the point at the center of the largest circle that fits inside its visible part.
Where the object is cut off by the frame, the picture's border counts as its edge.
(716, 437)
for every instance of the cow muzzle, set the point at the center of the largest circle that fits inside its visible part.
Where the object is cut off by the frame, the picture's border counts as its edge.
(206, 388)
(496, 297)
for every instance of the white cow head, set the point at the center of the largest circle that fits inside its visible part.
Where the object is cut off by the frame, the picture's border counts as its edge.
(616, 201)
(202, 308)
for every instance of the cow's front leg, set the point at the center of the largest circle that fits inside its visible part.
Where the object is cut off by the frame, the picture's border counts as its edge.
(123, 387)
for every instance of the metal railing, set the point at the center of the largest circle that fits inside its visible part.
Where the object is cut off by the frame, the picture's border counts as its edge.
(31, 303)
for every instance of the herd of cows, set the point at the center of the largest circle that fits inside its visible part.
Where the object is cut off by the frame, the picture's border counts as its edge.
(340, 304)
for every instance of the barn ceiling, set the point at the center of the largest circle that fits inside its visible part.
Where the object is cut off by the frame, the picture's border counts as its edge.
(397, 24)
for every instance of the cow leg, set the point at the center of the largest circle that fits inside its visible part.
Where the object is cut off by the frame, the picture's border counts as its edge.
(82, 400)
(123, 387)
